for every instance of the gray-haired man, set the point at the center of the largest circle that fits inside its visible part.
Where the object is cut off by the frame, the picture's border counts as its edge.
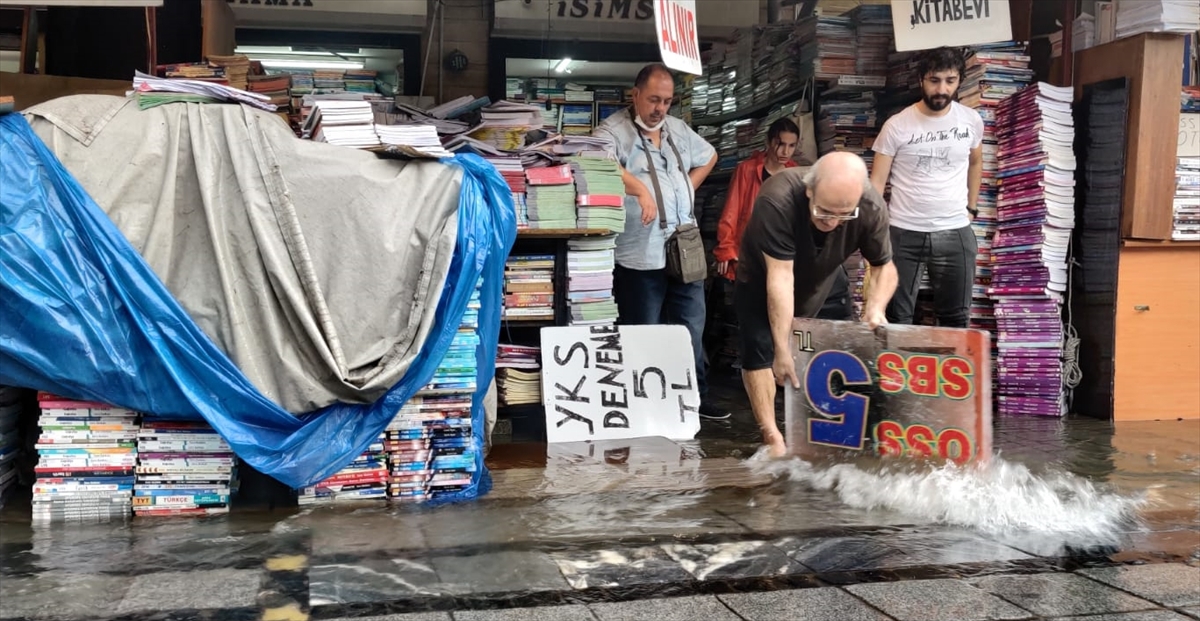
(803, 227)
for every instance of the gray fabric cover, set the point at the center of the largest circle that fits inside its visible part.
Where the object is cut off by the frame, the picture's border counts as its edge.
(316, 268)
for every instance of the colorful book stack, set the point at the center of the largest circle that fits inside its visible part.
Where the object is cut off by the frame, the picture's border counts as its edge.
(365, 478)
(184, 468)
(1035, 211)
(847, 121)
(590, 265)
(873, 38)
(994, 72)
(87, 453)
(529, 287)
(856, 271)
(10, 439)
(599, 193)
(360, 81)
(431, 446)
(835, 47)
(518, 375)
(1187, 200)
(509, 167)
(329, 81)
(550, 197)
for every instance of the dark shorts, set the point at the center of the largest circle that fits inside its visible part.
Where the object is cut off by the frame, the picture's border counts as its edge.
(755, 344)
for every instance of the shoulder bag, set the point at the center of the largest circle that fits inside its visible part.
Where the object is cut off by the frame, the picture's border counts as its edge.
(686, 261)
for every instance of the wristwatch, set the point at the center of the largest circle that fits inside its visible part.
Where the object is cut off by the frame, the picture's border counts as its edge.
(974, 212)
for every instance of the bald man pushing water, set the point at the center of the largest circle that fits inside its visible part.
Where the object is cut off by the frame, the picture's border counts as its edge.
(803, 227)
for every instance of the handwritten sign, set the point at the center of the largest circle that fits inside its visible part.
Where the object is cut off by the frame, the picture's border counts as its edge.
(913, 391)
(619, 382)
(678, 35)
(926, 24)
(1189, 135)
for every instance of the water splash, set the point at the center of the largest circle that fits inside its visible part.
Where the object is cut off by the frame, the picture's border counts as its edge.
(996, 497)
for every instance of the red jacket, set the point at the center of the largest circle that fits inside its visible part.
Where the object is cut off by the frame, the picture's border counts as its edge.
(739, 203)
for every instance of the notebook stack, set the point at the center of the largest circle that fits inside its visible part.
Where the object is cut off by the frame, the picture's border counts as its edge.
(360, 81)
(590, 265)
(329, 81)
(873, 38)
(599, 193)
(87, 453)
(1187, 199)
(994, 72)
(518, 375)
(10, 438)
(847, 120)
(420, 138)
(431, 445)
(344, 123)
(550, 197)
(529, 287)
(184, 468)
(365, 478)
(1035, 210)
(835, 47)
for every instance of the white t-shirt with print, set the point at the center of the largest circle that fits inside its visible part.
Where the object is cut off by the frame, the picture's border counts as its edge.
(929, 167)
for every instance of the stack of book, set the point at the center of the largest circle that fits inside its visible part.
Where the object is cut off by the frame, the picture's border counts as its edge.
(329, 81)
(529, 288)
(873, 38)
(422, 139)
(1176, 16)
(236, 69)
(302, 83)
(599, 193)
(365, 478)
(10, 439)
(277, 87)
(1187, 199)
(360, 81)
(994, 72)
(847, 121)
(590, 265)
(87, 454)
(505, 124)
(518, 375)
(344, 123)
(836, 54)
(184, 468)
(431, 444)
(1035, 211)
(550, 197)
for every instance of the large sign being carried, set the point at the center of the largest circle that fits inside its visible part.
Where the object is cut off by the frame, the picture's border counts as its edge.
(618, 382)
(926, 24)
(899, 390)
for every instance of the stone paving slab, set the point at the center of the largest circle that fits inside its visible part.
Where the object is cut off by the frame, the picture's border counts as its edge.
(937, 600)
(823, 604)
(1152, 615)
(58, 594)
(1191, 611)
(204, 589)
(413, 616)
(1056, 595)
(546, 613)
(1170, 584)
(704, 607)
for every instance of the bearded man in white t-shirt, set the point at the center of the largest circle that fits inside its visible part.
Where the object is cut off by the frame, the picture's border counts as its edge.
(932, 152)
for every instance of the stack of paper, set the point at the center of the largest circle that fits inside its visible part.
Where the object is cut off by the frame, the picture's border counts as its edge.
(505, 124)
(365, 478)
(1187, 200)
(86, 460)
(1035, 212)
(184, 468)
(1138, 16)
(529, 287)
(421, 138)
(518, 375)
(590, 265)
(10, 438)
(344, 123)
(550, 197)
(994, 72)
(432, 446)
(599, 193)
(146, 83)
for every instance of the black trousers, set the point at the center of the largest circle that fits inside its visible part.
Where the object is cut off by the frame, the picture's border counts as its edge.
(950, 258)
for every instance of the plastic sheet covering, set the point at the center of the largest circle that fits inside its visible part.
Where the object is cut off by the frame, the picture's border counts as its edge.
(83, 315)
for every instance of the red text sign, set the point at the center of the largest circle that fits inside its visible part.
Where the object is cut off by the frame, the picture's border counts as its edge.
(678, 39)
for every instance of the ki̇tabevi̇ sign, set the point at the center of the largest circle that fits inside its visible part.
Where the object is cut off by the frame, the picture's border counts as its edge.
(926, 24)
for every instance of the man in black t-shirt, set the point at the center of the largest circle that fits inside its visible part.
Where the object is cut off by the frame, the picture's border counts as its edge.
(803, 228)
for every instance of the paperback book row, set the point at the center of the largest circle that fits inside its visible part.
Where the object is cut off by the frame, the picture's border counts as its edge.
(1035, 211)
(429, 449)
(97, 461)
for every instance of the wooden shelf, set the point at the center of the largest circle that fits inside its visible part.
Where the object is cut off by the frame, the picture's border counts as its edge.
(558, 233)
(1142, 243)
(754, 110)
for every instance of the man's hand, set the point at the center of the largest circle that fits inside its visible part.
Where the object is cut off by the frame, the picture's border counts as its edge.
(785, 370)
(874, 317)
(649, 209)
(723, 268)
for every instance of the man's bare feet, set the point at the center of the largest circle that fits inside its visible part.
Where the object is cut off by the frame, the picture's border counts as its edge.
(774, 441)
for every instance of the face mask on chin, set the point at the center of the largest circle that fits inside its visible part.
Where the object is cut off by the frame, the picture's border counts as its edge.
(642, 124)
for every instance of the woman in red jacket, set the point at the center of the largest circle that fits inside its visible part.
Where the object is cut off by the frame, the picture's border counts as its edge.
(782, 138)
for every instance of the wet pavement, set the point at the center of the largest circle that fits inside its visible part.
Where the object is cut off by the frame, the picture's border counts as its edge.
(1078, 518)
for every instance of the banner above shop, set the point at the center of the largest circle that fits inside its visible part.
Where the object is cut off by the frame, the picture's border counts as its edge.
(336, 14)
(926, 24)
(609, 20)
(618, 382)
(914, 391)
(85, 3)
(678, 38)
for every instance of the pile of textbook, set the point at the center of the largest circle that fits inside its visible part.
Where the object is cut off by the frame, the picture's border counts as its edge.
(365, 478)
(184, 468)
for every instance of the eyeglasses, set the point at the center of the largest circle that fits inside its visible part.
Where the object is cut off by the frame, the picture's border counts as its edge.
(821, 214)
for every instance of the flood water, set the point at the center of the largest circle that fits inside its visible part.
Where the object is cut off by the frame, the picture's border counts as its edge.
(652, 513)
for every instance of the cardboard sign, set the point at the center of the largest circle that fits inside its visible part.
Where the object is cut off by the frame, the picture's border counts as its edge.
(914, 391)
(619, 382)
(926, 24)
(678, 35)
(1189, 135)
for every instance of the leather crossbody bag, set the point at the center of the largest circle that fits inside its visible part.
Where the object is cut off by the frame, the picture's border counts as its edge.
(686, 260)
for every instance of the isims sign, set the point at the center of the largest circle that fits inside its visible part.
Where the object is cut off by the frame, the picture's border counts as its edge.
(913, 391)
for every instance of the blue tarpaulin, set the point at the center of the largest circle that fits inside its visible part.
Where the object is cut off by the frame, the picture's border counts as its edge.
(83, 316)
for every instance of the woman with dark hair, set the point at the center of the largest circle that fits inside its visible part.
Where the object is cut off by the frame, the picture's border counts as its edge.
(782, 138)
